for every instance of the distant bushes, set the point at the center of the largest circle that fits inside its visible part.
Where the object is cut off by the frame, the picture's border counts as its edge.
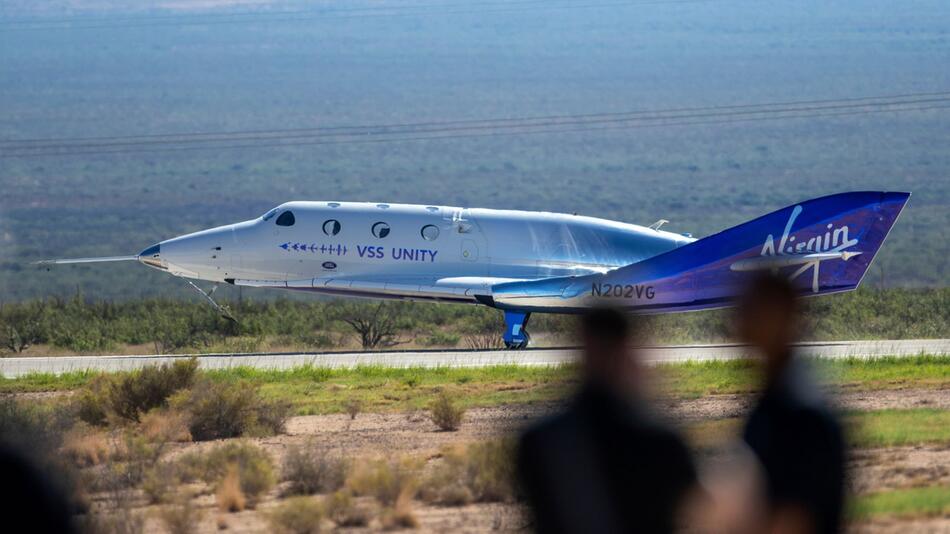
(478, 472)
(198, 408)
(296, 515)
(230, 467)
(150, 387)
(311, 469)
(170, 326)
(445, 413)
(129, 396)
(216, 410)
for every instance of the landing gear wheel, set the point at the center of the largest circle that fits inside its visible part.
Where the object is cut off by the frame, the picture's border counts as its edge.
(519, 345)
(516, 337)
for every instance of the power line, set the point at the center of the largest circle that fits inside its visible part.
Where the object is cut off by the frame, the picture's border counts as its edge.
(250, 17)
(473, 128)
(894, 99)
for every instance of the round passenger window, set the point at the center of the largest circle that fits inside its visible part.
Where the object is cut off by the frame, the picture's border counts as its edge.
(286, 219)
(381, 229)
(331, 227)
(430, 232)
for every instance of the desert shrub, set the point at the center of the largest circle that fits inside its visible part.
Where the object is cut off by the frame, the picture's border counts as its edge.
(21, 327)
(92, 401)
(440, 339)
(163, 426)
(133, 457)
(478, 472)
(254, 468)
(342, 510)
(400, 514)
(181, 517)
(445, 414)
(384, 479)
(218, 410)
(296, 515)
(353, 408)
(86, 446)
(375, 324)
(160, 481)
(483, 331)
(228, 495)
(150, 387)
(117, 521)
(312, 469)
(321, 340)
(484, 341)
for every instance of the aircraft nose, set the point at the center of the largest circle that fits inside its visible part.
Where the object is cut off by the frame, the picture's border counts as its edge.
(152, 256)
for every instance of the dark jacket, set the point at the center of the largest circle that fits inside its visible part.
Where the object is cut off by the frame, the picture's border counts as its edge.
(800, 445)
(604, 466)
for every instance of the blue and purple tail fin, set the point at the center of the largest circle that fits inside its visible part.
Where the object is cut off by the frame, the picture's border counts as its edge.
(824, 245)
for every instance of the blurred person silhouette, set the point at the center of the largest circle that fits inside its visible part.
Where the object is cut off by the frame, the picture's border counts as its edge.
(791, 430)
(606, 464)
(30, 499)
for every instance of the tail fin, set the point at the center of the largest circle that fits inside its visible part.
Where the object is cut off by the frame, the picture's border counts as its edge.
(824, 245)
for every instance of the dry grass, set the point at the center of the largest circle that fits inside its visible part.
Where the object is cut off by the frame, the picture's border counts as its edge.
(164, 426)
(311, 469)
(477, 472)
(85, 446)
(386, 480)
(353, 408)
(445, 414)
(484, 341)
(160, 481)
(255, 470)
(401, 514)
(181, 517)
(229, 496)
(296, 515)
(217, 410)
(344, 511)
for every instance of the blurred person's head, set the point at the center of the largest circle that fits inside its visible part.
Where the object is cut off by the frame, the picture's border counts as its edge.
(607, 335)
(767, 318)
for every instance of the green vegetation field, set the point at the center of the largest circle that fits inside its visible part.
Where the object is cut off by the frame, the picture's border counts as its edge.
(903, 503)
(319, 390)
(58, 326)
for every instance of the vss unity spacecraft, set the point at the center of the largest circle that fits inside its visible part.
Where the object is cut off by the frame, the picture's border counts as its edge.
(524, 262)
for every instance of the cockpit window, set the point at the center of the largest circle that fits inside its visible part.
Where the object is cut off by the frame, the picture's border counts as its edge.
(270, 214)
(286, 219)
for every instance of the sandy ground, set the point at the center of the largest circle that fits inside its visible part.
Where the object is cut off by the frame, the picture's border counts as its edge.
(413, 434)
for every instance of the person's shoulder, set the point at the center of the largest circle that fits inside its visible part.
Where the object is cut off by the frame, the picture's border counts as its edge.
(814, 417)
(552, 427)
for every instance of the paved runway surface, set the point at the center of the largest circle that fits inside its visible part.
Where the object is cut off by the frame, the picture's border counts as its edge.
(13, 367)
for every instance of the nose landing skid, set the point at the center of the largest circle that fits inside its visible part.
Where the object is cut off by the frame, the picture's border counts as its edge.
(208, 295)
(516, 337)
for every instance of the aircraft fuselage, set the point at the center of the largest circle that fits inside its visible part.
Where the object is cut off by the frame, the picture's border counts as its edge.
(405, 251)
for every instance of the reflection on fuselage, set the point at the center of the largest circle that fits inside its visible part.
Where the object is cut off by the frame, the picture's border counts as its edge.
(409, 243)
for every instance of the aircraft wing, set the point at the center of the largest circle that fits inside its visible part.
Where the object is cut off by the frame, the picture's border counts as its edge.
(462, 288)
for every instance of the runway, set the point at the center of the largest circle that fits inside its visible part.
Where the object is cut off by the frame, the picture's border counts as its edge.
(19, 366)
